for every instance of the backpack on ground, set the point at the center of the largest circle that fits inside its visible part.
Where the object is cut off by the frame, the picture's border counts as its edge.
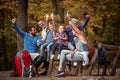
(23, 67)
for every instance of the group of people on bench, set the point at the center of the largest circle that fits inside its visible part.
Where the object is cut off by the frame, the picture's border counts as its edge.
(71, 37)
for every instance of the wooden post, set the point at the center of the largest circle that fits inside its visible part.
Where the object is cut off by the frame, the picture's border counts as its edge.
(50, 67)
(115, 63)
(92, 63)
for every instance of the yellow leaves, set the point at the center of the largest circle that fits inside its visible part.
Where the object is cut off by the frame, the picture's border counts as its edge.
(92, 36)
(90, 31)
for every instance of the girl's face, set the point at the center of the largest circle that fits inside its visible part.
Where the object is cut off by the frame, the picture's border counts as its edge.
(51, 27)
(61, 29)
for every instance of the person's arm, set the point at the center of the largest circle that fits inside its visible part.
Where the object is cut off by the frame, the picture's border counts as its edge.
(68, 16)
(75, 28)
(56, 37)
(72, 53)
(80, 26)
(20, 32)
(65, 38)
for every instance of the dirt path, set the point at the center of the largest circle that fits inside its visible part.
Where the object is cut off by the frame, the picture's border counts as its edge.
(4, 75)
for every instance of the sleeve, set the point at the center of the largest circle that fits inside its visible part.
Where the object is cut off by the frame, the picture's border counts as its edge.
(80, 26)
(40, 39)
(20, 32)
(57, 35)
(66, 35)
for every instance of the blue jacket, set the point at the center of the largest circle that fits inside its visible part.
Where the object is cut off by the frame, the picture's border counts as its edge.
(30, 42)
(68, 30)
(49, 37)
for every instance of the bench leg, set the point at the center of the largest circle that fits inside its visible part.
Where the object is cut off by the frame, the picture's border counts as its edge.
(50, 67)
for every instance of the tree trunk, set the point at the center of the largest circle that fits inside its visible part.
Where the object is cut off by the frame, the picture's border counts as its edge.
(2, 23)
(103, 25)
(61, 12)
(58, 9)
(22, 20)
(55, 6)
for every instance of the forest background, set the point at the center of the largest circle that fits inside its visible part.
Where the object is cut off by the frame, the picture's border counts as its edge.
(104, 25)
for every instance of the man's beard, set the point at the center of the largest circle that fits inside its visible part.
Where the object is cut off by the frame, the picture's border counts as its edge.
(33, 34)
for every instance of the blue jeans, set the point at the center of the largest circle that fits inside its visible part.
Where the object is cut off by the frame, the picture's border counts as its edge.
(65, 54)
(55, 46)
(48, 46)
(71, 46)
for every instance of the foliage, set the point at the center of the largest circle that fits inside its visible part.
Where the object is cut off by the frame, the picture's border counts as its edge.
(103, 25)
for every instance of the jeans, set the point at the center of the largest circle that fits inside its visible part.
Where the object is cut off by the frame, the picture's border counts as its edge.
(48, 46)
(57, 45)
(65, 54)
(71, 46)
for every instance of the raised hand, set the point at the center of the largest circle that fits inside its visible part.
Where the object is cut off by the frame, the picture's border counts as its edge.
(68, 16)
(14, 20)
(52, 16)
(47, 15)
(87, 16)
(71, 54)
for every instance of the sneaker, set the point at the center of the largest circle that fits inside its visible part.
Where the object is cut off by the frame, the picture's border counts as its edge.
(74, 63)
(85, 63)
(52, 56)
(58, 56)
(68, 67)
(59, 74)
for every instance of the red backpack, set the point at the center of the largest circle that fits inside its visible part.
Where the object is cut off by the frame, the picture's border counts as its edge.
(22, 64)
(91, 49)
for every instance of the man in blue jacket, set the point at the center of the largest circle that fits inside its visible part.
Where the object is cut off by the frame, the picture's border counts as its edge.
(31, 40)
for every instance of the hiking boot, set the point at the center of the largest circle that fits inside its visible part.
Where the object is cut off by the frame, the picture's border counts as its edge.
(44, 73)
(85, 63)
(59, 74)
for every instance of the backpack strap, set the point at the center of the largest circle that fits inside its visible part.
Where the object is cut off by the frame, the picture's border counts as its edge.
(22, 62)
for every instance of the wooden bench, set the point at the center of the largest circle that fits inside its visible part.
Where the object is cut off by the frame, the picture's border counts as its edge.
(111, 50)
(54, 63)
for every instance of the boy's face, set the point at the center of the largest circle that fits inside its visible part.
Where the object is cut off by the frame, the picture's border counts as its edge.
(61, 29)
